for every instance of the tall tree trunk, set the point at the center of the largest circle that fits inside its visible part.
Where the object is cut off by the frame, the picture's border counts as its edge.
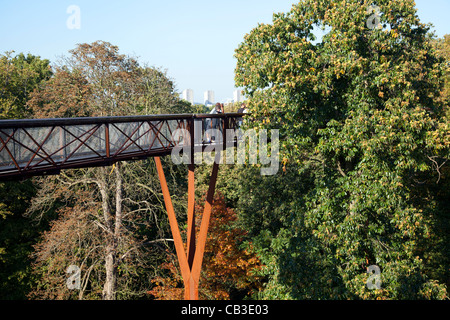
(119, 197)
(109, 288)
(114, 225)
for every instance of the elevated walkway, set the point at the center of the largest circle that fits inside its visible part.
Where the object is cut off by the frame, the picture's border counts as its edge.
(45, 146)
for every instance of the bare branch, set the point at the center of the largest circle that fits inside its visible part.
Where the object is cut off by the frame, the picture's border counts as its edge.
(437, 167)
(340, 169)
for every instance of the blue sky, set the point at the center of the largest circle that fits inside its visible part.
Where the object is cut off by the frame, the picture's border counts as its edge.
(194, 40)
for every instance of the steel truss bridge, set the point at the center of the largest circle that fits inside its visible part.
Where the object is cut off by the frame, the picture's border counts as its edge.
(32, 147)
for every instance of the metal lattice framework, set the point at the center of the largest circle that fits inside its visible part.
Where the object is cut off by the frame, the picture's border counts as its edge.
(45, 146)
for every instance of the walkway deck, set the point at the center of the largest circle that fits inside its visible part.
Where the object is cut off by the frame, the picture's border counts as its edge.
(45, 146)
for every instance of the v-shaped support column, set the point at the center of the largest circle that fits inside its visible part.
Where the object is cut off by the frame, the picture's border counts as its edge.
(190, 262)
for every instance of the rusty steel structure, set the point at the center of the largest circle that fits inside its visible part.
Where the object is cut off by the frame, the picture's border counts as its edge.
(32, 147)
(45, 146)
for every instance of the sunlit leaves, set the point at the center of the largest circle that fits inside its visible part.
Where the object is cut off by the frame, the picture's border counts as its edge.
(361, 107)
(19, 75)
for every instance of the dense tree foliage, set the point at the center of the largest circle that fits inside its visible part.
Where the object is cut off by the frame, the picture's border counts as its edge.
(17, 236)
(362, 123)
(19, 76)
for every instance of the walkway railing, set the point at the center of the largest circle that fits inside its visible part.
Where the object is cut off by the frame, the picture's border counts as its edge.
(45, 146)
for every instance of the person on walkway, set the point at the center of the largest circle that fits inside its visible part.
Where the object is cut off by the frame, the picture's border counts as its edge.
(242, 109)
(213, 123)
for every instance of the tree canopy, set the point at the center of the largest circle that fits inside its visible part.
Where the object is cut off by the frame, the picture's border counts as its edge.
(19, 76)
(362, 123)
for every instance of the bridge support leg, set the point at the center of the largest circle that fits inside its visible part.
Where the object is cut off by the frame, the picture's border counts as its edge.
(190, 262)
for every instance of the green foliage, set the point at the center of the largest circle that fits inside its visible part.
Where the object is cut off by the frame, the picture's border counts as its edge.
(442, 47)
(17, 235)
(19, 76)
(361, 118)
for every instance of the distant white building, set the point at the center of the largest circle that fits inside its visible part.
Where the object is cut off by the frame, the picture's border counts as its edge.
(208, 97)
(237, 96)
(188, 95)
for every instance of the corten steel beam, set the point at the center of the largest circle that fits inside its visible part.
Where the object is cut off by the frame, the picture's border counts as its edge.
(190, 262)
(33, 147)
(182, 259)
(200, 248)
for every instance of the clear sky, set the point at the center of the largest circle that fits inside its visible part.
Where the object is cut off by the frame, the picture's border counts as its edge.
(193, 39)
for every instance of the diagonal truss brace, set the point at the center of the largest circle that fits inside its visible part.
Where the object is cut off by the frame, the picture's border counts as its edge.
(191, 261)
